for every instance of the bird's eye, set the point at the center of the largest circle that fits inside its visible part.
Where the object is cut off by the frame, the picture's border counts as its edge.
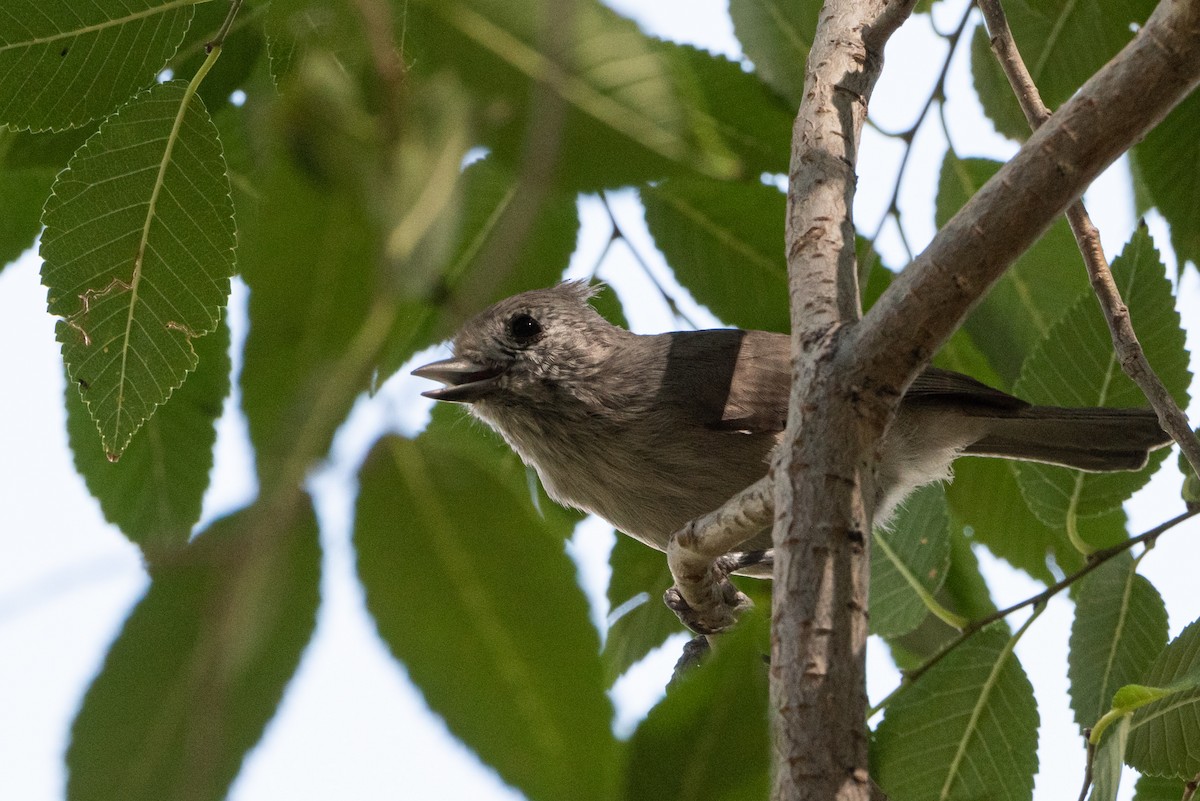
(524, 328)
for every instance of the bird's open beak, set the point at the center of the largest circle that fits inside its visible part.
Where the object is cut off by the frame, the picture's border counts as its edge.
(465, 380)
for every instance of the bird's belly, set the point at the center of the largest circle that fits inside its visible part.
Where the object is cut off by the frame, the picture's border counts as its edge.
(649, 492)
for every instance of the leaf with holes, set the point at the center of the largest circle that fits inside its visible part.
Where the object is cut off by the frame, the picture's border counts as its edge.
(63, 63)
(153, 494)
(1074, 365)
(138, 251)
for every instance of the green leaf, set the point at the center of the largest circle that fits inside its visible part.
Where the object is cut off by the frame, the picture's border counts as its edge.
(1022, 306)
(28, 164)
(64, 63)
(153, 494)
(296, 29)
(640, 576)
(631, 111)
(454, 560)
(708, 738)
(967, 729)
(201, 664)
(1108, 762)
(309, 258)
(724, 242)
(1191, 483)
(1167, 167)
(1136, 696)
(995, 94)
(22, 193)
(963, 591)
(750, 120)
(1063, 42)
(138, 252)
(1166, 734)
(1120, 627)
(1158, 788)
(491, 195)
(1074, 365)
(986, 499)
(777, 35)
(914, 547)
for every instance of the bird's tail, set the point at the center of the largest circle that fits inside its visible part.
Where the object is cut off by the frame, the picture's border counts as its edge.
(1097, 440)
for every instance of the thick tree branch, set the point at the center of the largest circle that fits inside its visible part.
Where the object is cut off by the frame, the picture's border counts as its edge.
(1125, 342)
(821, 571)
(929, 300)
(849, 376)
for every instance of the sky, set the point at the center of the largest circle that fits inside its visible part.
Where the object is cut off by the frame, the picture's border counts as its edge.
(351, 725)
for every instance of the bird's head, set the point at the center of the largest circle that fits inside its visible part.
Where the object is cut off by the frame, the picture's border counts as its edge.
(530, 350)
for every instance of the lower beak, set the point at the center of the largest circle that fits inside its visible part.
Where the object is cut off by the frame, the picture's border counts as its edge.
(465, 380)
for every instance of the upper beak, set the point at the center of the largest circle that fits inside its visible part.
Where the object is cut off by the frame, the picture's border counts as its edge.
(466, 381)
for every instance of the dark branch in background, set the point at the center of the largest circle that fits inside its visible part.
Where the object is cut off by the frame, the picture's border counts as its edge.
(907, 136)
(1089, 768)
(929, 299)
(1095, 560)
(1189, 789)
(1125, 342)
(619, 233)
(219, 40)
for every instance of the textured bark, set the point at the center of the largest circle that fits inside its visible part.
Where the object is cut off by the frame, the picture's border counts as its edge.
(848, 375)
(819, 604)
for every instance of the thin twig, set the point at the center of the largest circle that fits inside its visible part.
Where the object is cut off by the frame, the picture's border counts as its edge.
(936, 95)
(1089, 768)
(217, 41)
(1189, 789)
(1095, 560)
(619, 233)
(1125, 342)
(703, 596)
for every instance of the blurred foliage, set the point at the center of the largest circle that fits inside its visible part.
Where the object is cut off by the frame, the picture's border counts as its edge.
(391, 168)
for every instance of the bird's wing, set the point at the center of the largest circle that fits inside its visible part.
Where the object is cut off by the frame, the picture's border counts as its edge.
(747, 379)
(730, 380)
(936, 386)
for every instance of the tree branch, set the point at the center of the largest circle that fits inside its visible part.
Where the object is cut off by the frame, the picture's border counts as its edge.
(821, 570)
(1125, 342)
(703, 597)
(928, 301)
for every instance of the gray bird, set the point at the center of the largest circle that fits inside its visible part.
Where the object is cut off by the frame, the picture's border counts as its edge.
(649, 432)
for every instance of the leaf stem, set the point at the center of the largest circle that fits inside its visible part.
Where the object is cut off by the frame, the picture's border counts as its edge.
(942, 613)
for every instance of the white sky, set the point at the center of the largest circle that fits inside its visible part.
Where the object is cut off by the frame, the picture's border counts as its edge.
(351, 726)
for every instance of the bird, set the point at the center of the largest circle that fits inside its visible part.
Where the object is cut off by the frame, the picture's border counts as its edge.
(651, 431)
